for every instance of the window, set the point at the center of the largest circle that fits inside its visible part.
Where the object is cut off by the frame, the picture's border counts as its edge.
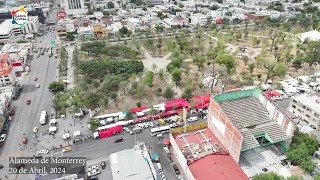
(294, 106)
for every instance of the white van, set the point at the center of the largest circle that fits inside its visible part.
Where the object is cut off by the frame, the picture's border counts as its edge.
(53, 130)
(43, 117)
(192, 119)
(159, 167)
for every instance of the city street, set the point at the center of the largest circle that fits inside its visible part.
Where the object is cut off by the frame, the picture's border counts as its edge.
(99, 150)
(27, 116)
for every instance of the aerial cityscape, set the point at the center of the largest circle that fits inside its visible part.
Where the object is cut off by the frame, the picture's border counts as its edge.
(160, 90)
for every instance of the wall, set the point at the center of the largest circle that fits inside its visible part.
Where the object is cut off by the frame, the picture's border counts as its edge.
(180, 157)
(222, 127)
(278, 115)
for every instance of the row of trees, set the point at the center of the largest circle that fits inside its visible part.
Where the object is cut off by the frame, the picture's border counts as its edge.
(274, 176)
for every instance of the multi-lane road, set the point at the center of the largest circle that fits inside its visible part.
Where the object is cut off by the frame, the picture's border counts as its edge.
(27, 116)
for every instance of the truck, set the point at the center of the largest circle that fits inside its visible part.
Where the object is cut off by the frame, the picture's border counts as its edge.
(50, 53)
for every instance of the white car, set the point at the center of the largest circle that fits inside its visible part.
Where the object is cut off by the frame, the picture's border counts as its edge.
(95, 167)
(43, 151)
(3, 137)
(126, 129)
(94, 172)
(37, 85)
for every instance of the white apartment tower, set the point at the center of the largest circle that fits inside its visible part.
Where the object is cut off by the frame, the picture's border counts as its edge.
(74, 7)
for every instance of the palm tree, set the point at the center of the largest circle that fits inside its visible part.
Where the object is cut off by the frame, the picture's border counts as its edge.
(154, 67)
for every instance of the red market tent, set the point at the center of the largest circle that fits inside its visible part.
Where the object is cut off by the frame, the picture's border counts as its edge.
(201, 99)
(105, 134)
(179, 103)
(202, 106)
(138, 109)
(166, 142)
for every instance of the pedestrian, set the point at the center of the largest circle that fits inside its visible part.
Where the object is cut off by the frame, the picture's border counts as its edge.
(74, 123)
(71, 125)
(82, 126)
(19, 144)
(68, 131)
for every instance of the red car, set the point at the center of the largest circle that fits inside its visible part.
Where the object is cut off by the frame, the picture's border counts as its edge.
(35, 79)
(28, 101)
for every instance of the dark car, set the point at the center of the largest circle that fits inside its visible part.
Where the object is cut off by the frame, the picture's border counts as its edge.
(19, 165)
(176, 169)
(37, 156)
(93, 178)
(118, 140)
(1, 143)
(103, 164)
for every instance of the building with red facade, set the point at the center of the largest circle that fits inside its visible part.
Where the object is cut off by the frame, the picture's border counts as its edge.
(247, 119)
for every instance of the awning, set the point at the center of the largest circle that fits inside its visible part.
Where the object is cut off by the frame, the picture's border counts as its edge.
(77, 133)
(166, 142)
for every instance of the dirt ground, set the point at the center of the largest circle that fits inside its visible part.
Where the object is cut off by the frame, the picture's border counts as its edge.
(127, 102)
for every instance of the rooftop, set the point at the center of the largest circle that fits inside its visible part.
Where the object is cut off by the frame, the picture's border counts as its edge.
(130, 164)
(6, 26)
(312, 102)
(203, 150)
(249, 115)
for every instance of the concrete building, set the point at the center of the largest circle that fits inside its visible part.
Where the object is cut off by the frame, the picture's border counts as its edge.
(247, 119)
(32, 25)
(74, 7)
(176, 22)
(310, 35)
(135, 24)
(200, 155)
(7, 30)
(307, 108)
(200, 19)
(7, 76)
(131, 164)
(155, 2)
(99, 30)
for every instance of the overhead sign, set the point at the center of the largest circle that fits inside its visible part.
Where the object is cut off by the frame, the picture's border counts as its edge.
(61, 14)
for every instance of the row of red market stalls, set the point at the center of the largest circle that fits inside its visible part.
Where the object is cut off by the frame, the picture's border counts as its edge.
(110, 131)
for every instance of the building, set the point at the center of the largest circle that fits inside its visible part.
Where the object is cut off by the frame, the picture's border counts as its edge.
(32, 25)
(310, 35)
(155, 2)
(6, 13)
(100, 30)
(74, 7)
(61, 30)
(135, 24)
(86, 31)
(247, 119)
(131, 164)
(200, 19)
(6, 71)
(176, 22)
(200, 155)
(8, 30)
(256, 16)
(307, 108)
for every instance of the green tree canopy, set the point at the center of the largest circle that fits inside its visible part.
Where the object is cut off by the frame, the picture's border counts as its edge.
(56, 87)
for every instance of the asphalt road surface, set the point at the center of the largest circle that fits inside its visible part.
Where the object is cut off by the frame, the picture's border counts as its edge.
(27, 116)
(101, 149)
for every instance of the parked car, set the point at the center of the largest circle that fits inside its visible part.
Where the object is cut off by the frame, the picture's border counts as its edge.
(37, 156)
(103, 164)
(176, 169)
(94, 172)
(93, 178)
(37, 85)
(91, 168)
(43, 151)
(3, 137)
(66, 149)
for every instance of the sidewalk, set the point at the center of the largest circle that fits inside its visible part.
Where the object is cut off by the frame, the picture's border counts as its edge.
(70, 71)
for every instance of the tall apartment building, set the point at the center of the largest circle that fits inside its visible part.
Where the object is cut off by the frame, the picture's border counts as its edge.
(74, 7)
(307, 108)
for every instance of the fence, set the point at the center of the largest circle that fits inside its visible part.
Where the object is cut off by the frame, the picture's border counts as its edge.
(192, 127)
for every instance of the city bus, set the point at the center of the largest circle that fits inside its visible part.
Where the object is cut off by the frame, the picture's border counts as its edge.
(43, 117)
(160, 130)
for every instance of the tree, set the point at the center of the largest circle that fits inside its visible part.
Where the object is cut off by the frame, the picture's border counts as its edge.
(176, 75)
(310, 52)
(140, 92)
(123, 86)
(251, 68)
(153, 111)
(245, 60)
(268, 176)
(96, 84)
(93, 98)
(124, 30)
(110, 5)
(56, 87)
(168, 93)
(199, 60)
(94, 124)
(102, 103)
(70, 36)
(59, 102)
(273, 35)
(113, 96)
(254, 41)
(187, 93)
(297, 64)
(154, 67)
(77, 99)
(289, 58)
(228, 61)
(273, 69)
(149, 79)
(128, 116)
